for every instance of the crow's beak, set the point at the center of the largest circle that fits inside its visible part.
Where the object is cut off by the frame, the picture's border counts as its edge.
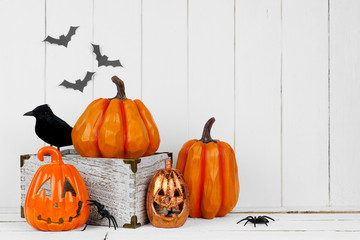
(29, 114)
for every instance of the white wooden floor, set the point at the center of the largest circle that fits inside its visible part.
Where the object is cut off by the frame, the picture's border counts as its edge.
(287, 226)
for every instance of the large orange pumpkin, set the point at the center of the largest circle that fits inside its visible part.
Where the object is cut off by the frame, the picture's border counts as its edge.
(210, 172)
(116, 128)
(66, 208)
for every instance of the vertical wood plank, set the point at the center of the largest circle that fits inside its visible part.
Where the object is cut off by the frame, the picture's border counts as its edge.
(305, 103)
(165, 70)
(211, 68)
(258, 105)
(22, 57)
(117, 29)
(345, 103)
(69, 63)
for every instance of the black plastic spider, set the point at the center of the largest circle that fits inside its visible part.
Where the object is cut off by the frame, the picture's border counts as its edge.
(256, 220)
(103, 212)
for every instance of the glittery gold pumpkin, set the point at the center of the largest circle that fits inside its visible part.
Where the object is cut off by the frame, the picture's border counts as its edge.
(167, 201)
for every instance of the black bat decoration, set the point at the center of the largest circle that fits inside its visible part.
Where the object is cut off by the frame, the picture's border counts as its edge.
(79, 84)
(62, 40)
(103, 59)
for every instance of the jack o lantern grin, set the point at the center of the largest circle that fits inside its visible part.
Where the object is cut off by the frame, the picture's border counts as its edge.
(168, 212)
(61, 220)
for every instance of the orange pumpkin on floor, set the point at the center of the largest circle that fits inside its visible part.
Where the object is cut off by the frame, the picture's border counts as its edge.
(66, 207)
(211, 174)
(116, 128)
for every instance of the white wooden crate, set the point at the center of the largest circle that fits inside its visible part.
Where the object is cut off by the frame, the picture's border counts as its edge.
(119, 184)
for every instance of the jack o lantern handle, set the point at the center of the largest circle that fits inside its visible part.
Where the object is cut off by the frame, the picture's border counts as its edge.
(54, 153)
(206, 137)
(168, 164)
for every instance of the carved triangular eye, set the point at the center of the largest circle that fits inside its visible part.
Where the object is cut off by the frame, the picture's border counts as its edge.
(176, 194)
(161, 193)
(47, 187)
(68, 188)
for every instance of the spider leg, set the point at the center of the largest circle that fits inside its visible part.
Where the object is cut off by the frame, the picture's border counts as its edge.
(109, 221)
(266, 223)
(114, 222)
(244, 219)
(97, 204)
(257, 220)
(268, 218)
(93, 204)
(246, 222)
(85, 227)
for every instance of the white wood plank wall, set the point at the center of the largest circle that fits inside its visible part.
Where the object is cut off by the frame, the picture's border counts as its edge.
(281, 77)
(344, 102)
(305, 103)
(258, 102)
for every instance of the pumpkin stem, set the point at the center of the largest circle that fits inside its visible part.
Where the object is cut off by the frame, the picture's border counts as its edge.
(168, 164)
(206, 137)
(120, 88)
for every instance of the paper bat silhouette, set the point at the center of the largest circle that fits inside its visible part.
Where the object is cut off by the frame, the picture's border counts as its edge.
(62, 40)
(103, 59)
(79, 84)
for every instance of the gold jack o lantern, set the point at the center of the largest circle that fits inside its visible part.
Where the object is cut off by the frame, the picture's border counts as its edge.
(167, 201)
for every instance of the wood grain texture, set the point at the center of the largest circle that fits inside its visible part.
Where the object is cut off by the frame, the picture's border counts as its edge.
(117, 29)
(69, 63)
(165, 70)
(344, 103)
(108, 181)
(305, 103)
(211, 68)
(258, 103)
(22, 56)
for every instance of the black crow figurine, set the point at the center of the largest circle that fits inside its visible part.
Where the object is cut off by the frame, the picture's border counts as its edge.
(50, 128)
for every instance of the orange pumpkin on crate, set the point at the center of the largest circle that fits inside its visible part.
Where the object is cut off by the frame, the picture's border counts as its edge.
(116, 128)
(66, 207)
(211, 174)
